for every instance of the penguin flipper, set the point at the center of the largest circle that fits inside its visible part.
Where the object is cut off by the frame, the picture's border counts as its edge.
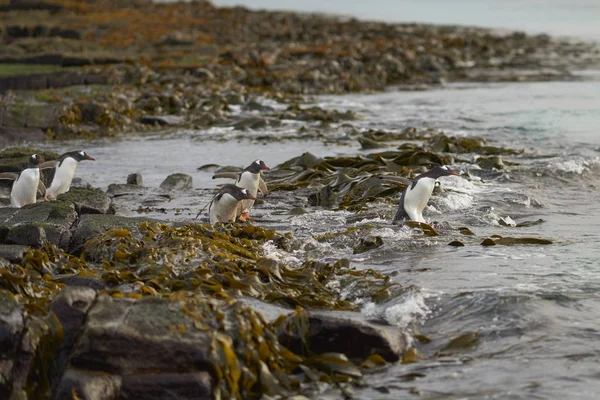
(48, 164)
(262, 186)
(41, 189)
(398, 179)
(9, 175)
(229, 175)
(401, 214)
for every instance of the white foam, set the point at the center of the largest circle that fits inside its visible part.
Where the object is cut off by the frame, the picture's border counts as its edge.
(454, 201)
(272, 252)
(575, 166)
(407, 310)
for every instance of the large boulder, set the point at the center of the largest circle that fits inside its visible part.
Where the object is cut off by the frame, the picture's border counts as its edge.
(149, 348)
(33, 224)
(91, 225)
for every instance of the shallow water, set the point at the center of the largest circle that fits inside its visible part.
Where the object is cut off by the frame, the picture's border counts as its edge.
(535, 308)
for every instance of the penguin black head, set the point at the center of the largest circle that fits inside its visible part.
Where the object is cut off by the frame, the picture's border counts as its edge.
(236, 192)
(437, 172)
(35, 160)
(257, 166)
(77, 156)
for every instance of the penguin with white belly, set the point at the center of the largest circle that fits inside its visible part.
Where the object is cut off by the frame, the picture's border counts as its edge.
(251, 179)
(224, 205)
(27, 183)
(416, 195)
(64, 172)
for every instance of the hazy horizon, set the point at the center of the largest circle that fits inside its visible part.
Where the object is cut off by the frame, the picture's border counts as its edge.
(576, 18)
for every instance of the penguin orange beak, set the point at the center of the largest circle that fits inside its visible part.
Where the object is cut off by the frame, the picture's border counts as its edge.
(90, 158)
(264, 167)
(453, 172)
(251, 197)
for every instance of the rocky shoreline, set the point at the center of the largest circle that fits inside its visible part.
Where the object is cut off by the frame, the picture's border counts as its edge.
(97, 305)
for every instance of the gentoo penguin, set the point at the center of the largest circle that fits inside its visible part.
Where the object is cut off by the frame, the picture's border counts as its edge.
(251, 179)
(64, 172)
(26, 183)
(416, 195)
(224, 205)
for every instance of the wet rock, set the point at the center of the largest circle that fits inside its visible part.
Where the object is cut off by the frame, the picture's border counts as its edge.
(150, 104)
(119, 189)
(253, 105)
(235, 98)
(12, 324)
(35, 223)
(90, 112)
(348, 333)
(12, 252)
(368, 243)
(28, 347)
(175, 103)
(91, 225)
(88, 201)
(141, 349)
(71, 306)
(204, 73)
(205, 119)
(82, 281)
(135, 179)
(177, 181)
(493, 162)
(162, 120)
(88, 385)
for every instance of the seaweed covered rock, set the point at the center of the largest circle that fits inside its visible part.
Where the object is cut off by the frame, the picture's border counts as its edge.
(187, 347)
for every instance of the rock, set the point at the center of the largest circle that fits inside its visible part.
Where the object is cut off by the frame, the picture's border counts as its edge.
(70, 307)
(12, 324)
(177, 181)
(91, 225)
(89, 385)
(493, 162)
(90, 112)
(83, 281)
(344, 332)
(162, 120)
(235, 98)
(33, 224)
(134, 179)
(348, 333)
(119, 189)
(88, 201)
(367, 243)
(253, 105)
(13, 252)
(28, 348)
(150, 104)
(204, 73)
(132, 344)
(175, 103)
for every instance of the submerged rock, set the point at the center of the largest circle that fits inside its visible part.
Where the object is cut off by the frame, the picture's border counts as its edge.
(177, 181)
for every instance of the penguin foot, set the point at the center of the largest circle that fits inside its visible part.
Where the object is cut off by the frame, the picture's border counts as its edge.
(244, 216)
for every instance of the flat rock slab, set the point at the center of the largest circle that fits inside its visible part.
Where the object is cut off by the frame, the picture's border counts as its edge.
(33, 224)
(162, 120)
(88, 201)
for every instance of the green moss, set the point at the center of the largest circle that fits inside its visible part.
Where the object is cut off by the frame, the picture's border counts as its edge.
(29, 69)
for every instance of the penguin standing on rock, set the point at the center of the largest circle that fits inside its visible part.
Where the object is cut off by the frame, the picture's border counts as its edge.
(250, 179)
(64, 172)
(416, 195)
(224, 205)
(27, 183)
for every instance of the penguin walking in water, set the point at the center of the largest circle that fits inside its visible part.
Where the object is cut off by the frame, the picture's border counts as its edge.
(64, 172)
(416, 195)
(251, 179)
(27, 183)
(224, 205)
